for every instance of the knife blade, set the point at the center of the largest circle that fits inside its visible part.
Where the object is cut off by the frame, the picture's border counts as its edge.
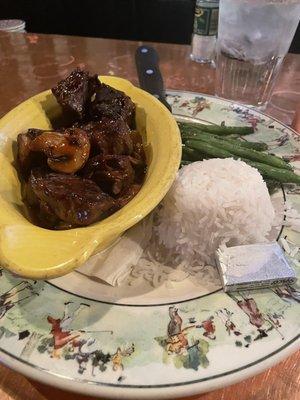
(150, 77)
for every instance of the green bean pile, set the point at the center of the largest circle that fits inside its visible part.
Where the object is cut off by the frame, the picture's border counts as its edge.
(200, 142)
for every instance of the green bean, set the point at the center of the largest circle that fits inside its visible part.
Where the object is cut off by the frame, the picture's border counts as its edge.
(217, 129)
(208, 149)
(189, 154)
(243, 152)
(267, 171)
(273, 173)
(258, 146)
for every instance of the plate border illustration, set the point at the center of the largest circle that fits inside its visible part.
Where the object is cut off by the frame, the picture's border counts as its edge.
(182, 389)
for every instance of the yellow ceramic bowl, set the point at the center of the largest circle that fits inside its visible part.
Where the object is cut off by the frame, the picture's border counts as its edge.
(34, 252)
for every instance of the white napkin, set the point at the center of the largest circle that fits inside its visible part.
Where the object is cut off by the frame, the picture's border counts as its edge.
(113, 264)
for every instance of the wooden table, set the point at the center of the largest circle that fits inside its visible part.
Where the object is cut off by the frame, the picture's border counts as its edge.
(30, 63)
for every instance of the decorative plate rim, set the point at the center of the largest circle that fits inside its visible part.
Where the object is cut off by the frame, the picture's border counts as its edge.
(128, 392)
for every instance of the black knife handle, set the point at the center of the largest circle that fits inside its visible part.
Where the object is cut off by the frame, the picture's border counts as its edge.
(149, 74)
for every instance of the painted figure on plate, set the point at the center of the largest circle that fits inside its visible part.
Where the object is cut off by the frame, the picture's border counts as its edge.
(17, 294)
(185, 349)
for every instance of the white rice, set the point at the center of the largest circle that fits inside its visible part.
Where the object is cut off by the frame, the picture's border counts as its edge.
(214, 202)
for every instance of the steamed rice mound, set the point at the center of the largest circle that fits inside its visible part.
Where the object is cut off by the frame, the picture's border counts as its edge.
(214, 202)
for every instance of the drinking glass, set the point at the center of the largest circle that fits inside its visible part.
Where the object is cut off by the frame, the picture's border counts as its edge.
(253, 39)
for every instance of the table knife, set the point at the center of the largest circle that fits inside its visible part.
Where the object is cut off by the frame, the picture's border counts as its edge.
(150, 78)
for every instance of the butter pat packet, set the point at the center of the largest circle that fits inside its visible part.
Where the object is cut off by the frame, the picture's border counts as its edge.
(253, 266)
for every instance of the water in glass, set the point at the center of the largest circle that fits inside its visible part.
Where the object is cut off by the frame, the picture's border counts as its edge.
(253, 38)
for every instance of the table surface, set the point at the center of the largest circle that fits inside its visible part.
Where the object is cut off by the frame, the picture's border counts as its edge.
(30, 63)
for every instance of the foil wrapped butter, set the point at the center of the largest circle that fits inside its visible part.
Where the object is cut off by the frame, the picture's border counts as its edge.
(253, 266)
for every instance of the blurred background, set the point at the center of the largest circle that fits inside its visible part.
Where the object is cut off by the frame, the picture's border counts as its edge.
(146, 20)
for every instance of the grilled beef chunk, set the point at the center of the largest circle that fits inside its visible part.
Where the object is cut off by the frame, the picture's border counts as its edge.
(109, 135)
(111, 102)
(138, 157)
(112, 173)
(74, 92)
(126, 195)
(67, 198)
(87, 98)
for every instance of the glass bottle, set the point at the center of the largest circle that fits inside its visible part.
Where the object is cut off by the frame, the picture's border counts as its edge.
(205, 30)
